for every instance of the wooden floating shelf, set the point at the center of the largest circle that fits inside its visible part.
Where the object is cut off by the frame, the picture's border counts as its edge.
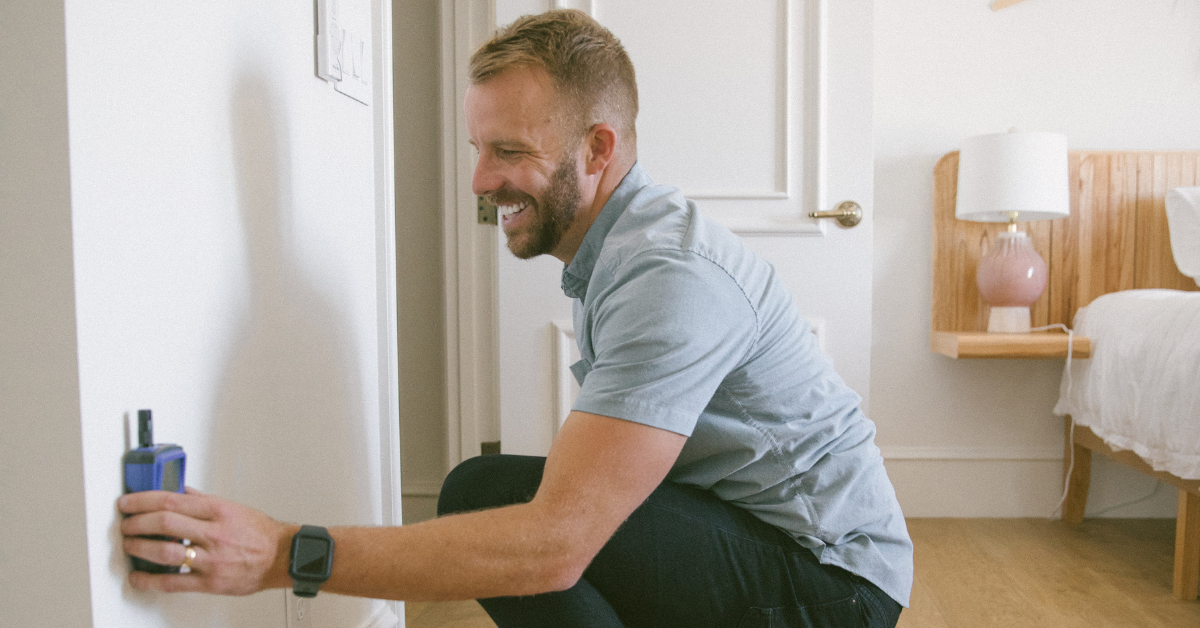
(981, 344)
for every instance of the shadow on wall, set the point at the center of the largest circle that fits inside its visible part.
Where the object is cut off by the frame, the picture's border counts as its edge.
(288, 435)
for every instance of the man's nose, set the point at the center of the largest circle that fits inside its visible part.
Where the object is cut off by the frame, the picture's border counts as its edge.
(487, 178)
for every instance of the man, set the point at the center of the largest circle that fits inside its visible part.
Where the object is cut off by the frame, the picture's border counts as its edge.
(714, 471)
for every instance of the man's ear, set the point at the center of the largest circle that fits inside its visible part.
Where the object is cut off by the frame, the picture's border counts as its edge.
(602, 146)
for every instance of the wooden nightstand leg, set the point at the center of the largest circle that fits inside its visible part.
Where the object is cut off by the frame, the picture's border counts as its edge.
(1187, 546)
(1080, 478)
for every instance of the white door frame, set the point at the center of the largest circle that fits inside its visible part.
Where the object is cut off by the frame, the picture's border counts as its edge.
(385, 270)
(470, 250)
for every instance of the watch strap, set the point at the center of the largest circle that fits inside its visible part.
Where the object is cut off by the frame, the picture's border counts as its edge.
(302, 588)
(304, 585)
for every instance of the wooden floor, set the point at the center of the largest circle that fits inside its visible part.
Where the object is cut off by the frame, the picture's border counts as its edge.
(980, 573)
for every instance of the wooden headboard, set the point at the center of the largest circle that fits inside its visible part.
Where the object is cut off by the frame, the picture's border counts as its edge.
(1115, 238)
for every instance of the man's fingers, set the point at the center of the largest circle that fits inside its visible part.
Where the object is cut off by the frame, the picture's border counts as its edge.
(235, 546)
(193, 504)
(169, 553)
(167, 583)
(166, 524)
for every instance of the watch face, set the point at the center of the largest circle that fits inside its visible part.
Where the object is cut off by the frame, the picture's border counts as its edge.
(311, 558)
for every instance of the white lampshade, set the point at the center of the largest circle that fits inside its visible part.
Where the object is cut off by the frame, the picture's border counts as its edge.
(1025, 172)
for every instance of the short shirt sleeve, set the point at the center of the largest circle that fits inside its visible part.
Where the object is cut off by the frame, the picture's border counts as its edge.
(665, 333)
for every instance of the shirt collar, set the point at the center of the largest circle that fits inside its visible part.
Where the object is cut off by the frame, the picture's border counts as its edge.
(578, 273)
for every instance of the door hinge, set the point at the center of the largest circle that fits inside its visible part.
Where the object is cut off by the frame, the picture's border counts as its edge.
(486, 212)
(489, 448)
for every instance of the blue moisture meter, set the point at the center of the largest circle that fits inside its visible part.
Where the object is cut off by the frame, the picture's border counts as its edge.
(153, 467)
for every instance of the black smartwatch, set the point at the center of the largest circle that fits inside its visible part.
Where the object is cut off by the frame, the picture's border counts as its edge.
(311, 560)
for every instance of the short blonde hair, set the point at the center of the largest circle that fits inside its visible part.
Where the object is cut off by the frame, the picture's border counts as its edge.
(586, 63)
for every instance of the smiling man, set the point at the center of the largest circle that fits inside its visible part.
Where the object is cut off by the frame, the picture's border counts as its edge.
(521, 151)
(714, 471)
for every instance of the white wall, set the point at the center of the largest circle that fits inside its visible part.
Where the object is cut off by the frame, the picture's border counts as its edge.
(43, 551)
(977, 438)
(222, 221)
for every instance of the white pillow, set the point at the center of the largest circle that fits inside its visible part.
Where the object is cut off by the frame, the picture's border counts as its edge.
(1183, 221)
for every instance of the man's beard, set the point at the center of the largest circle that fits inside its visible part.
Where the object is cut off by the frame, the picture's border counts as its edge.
(553, 212)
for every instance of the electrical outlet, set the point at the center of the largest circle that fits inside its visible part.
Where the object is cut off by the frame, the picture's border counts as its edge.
(299, 611)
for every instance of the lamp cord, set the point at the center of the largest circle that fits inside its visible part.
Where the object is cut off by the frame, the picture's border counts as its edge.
(1070, 468)
(1071, 429)
(1070, 347)
(1071, 436)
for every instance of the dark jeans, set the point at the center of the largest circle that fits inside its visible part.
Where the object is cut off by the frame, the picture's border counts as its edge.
(683, 559)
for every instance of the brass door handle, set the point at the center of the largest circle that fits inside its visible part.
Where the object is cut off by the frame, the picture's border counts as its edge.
(848, 214)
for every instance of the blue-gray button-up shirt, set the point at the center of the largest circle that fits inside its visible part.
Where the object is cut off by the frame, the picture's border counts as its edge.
(681, 327)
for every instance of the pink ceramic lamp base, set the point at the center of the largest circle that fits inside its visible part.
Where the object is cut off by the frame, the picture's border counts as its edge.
(1011, 277)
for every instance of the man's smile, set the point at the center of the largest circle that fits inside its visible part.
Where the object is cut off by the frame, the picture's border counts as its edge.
(512, 209)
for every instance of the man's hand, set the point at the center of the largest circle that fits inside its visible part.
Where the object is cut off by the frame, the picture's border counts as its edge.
(239, 550)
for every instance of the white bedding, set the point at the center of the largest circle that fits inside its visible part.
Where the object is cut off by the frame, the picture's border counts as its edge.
(1141, 388)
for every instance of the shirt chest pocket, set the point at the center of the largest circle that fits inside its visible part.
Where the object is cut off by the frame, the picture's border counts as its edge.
(580, 370)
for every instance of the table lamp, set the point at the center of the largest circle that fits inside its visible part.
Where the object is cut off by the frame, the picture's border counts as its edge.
(1006, 177)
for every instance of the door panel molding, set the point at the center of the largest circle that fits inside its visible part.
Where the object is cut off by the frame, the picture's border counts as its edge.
(583, 5)
(800, 134)
(566, 353)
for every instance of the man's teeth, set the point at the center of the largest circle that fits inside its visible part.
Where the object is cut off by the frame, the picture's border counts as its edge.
(508, 210)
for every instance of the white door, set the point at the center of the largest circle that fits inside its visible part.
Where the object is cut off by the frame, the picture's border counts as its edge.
(760, 111)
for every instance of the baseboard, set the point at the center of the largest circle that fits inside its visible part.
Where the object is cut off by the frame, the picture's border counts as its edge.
(980, 482)
(957, 486)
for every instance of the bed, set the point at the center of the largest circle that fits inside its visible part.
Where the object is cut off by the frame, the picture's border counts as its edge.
(1137, 401)
(1114, 276)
